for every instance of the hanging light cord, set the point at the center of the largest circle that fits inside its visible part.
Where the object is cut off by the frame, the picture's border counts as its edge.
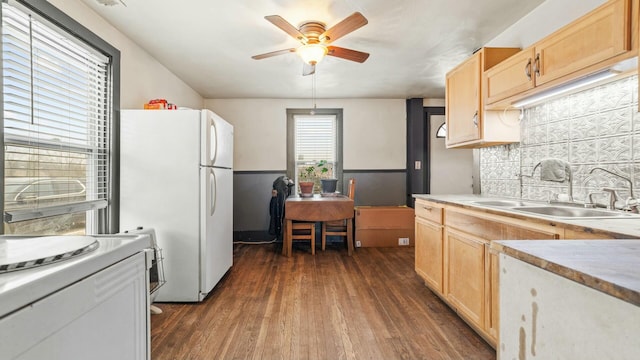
(313, 94)
(313, 91)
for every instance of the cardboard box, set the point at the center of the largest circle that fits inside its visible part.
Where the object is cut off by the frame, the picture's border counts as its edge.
(384, 226)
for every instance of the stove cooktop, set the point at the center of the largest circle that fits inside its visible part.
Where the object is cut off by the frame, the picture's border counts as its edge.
(26, 253)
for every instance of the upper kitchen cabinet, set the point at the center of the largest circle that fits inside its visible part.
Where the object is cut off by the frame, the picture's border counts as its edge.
(592, 43)
(468, 124)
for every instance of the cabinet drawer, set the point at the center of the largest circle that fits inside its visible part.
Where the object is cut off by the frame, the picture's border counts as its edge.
(477, 225)
(570, 234)
(429, 211)
(491, 229)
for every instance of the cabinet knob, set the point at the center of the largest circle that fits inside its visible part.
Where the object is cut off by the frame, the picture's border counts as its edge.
(475, 119)
(428, 208)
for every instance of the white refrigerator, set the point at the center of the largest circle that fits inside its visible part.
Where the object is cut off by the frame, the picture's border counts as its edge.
(176, 176)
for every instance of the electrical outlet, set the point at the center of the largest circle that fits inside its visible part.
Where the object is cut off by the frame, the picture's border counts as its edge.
(403, 241)
(358, 243)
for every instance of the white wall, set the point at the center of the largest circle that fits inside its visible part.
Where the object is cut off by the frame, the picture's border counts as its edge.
(374, 131)
(142, 77)
(550, 16)
(451, 169)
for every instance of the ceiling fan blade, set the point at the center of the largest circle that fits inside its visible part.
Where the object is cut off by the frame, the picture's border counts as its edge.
(273, 53)
(349, 24)
(348, 54)
(283, 24)
(308, 69)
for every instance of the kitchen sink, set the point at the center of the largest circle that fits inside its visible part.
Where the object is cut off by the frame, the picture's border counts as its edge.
(574, 212)
(501, 203)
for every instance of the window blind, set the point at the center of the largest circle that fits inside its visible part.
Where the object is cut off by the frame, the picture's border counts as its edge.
(315, 138)
(56, 96)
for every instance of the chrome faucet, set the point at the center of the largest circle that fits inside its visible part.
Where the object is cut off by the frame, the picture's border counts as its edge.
(569, 181)
(631, 204)
(613, 196)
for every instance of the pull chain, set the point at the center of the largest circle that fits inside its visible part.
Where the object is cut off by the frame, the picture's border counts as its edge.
(313, 93)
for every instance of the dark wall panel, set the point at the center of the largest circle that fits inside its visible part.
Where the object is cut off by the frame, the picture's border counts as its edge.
(378, 188)
(252, 194)
(416, 178)
(251, 197)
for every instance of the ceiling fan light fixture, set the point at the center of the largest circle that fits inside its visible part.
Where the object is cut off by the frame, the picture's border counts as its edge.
(312, 53)
(111, 2)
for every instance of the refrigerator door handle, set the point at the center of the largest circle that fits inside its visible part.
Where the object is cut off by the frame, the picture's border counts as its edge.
(213, 138)
(212, 191)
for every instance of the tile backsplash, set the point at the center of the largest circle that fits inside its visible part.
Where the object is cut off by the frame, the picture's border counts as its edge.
(598, 127)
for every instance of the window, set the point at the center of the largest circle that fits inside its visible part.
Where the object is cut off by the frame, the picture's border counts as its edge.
(315, 138)
(441, 133)
(57, 124)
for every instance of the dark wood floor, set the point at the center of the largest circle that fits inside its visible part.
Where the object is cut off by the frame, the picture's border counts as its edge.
(327, 306)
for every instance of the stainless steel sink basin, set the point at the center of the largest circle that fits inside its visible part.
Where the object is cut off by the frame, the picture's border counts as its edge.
(501, 203)
(574, 212)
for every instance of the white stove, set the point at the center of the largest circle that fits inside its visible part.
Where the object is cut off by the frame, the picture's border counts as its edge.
(91, 280)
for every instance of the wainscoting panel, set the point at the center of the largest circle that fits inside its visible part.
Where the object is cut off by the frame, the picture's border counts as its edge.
(252, 195)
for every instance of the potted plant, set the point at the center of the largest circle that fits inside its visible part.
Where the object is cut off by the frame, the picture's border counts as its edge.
(306, 180)
(328, 184)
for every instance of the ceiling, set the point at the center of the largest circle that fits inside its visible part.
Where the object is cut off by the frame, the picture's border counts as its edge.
(209, 43)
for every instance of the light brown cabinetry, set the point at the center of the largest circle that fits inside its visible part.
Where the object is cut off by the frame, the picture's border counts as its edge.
(463, 101)
(468, 124)
(492, 294)
(596, 37)
(511, 77)
(465, 259)
(429, 244)
(454, 258)
(570, 234)
(587, 45)
(472, 288)
(428, 248)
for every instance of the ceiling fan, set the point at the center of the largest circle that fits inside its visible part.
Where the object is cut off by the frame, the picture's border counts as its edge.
(315, 39)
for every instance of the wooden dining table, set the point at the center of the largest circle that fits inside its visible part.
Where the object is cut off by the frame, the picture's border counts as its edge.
(317, 208)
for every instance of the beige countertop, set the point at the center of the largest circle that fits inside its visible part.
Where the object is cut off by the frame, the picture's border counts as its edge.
(609, 266)
(616, 228)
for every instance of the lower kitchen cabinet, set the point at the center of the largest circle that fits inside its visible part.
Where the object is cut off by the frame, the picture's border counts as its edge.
(492, 294)
(455, 260)
(465, 280)
(429, 248)
(570, 234)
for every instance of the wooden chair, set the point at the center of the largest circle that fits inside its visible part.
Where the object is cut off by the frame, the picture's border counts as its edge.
(304, 231)
(339, 227)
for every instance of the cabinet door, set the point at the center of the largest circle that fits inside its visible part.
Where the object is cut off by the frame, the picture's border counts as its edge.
(492, 296)
(463, 101)
(428, 247)
(465, 276)
(598, 36)
(510, 77)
